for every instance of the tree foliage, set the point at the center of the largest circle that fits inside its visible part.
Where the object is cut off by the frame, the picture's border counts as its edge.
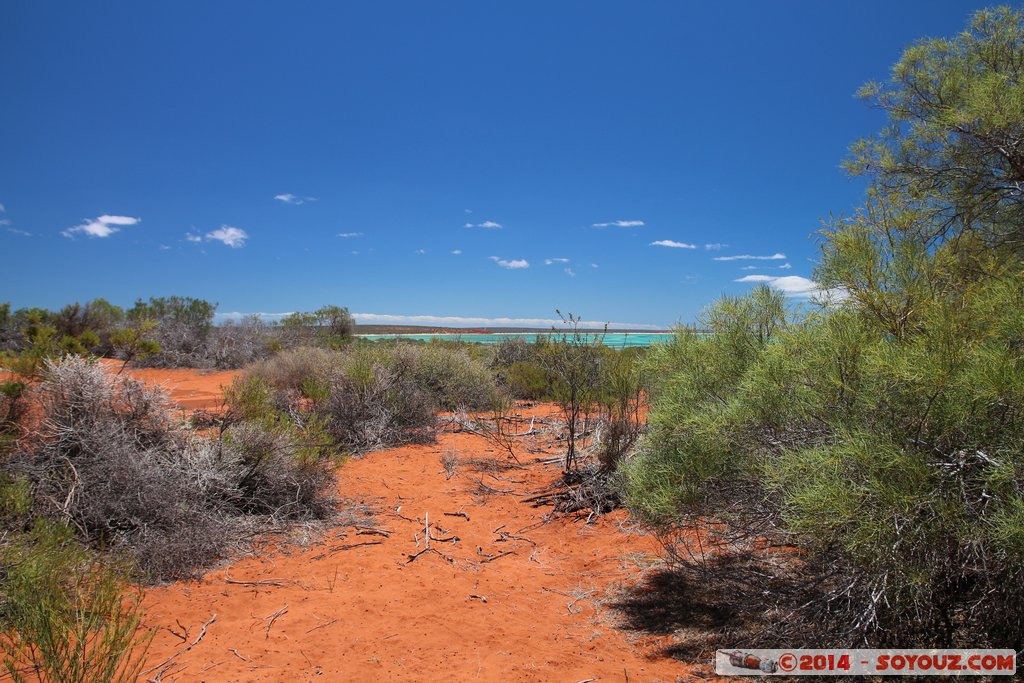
(884, 433)
(955, 143)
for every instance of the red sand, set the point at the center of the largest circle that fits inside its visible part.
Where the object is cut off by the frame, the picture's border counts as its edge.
(191, 389)
(367, 613)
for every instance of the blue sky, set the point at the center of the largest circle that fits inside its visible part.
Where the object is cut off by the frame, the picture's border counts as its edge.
(474, 160)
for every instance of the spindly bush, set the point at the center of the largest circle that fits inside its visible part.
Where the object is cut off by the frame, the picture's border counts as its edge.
(111, 458)
(65, 616)
(366, 396)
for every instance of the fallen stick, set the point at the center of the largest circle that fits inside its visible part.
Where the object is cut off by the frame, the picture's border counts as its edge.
(505, 536)
(326, 623)
(457, 514)
(238, 654)
(170, 659)
(274, 617)
(497, 557)
(330, 552)
(412, 558)
(264, 582)
(373, 532)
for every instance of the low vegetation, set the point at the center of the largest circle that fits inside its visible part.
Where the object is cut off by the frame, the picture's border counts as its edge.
(166, 332)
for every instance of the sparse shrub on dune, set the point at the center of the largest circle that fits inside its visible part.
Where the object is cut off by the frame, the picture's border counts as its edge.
(236, 344)
(385, 408)
(526, 380)
(112, 458)
(281, 470)
(327, 327)
(367, 396)
(292, 369)
(450, 375)
(182, 328)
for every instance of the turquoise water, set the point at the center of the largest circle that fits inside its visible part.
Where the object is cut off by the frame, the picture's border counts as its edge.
(616, 340)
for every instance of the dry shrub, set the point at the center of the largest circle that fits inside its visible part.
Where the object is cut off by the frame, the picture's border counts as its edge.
(368, 396)
(448, 374)
(236, 344)
(293, 368)
(277, 476)
(112, 460)
(384, 410)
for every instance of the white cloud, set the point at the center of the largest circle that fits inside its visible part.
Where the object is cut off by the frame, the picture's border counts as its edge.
(777, 256)
(350, 234)
(5, 221)
(456, 251)
(618, 224)
(785, 266)
(22, 233)
(570, 272)
(715, 246)
(193, 237)
(549, 261)
(488, 225)
(797, 286)
(164, 247)
(750, 267)
(233, 237)
(460, 321)
(421, 251)
(673, 244)
(510, 265)
(104, 226)
(289, 198)
(2, 208)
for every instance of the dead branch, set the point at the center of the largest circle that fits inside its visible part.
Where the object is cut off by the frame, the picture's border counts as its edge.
(274, 617)
(323, 625)
(339, 548)
(162, 666)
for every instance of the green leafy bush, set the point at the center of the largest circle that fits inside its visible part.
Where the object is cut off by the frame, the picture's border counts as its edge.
(882, 433)
(65, 616)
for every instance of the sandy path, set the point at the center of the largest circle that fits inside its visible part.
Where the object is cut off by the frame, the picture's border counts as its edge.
(367, 613)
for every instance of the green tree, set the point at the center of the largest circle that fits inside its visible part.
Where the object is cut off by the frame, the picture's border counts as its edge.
(955, 139)
(883, 434)
(328, 326)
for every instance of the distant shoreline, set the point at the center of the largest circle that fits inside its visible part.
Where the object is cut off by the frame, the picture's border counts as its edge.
(524, 334)
(413, 330)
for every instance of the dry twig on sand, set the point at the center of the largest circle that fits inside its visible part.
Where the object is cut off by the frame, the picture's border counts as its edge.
(338, 549)
(163, 666)
(274, 617)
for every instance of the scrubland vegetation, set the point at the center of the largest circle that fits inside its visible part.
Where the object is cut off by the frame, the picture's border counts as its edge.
(881, 435)
(104, 479)
(850, 469)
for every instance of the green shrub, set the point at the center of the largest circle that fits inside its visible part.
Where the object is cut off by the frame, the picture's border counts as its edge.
(292, 370)
(527, 380)
(65, 616)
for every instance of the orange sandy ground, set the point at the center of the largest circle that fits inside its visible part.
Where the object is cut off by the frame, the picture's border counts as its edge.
(367, 613)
